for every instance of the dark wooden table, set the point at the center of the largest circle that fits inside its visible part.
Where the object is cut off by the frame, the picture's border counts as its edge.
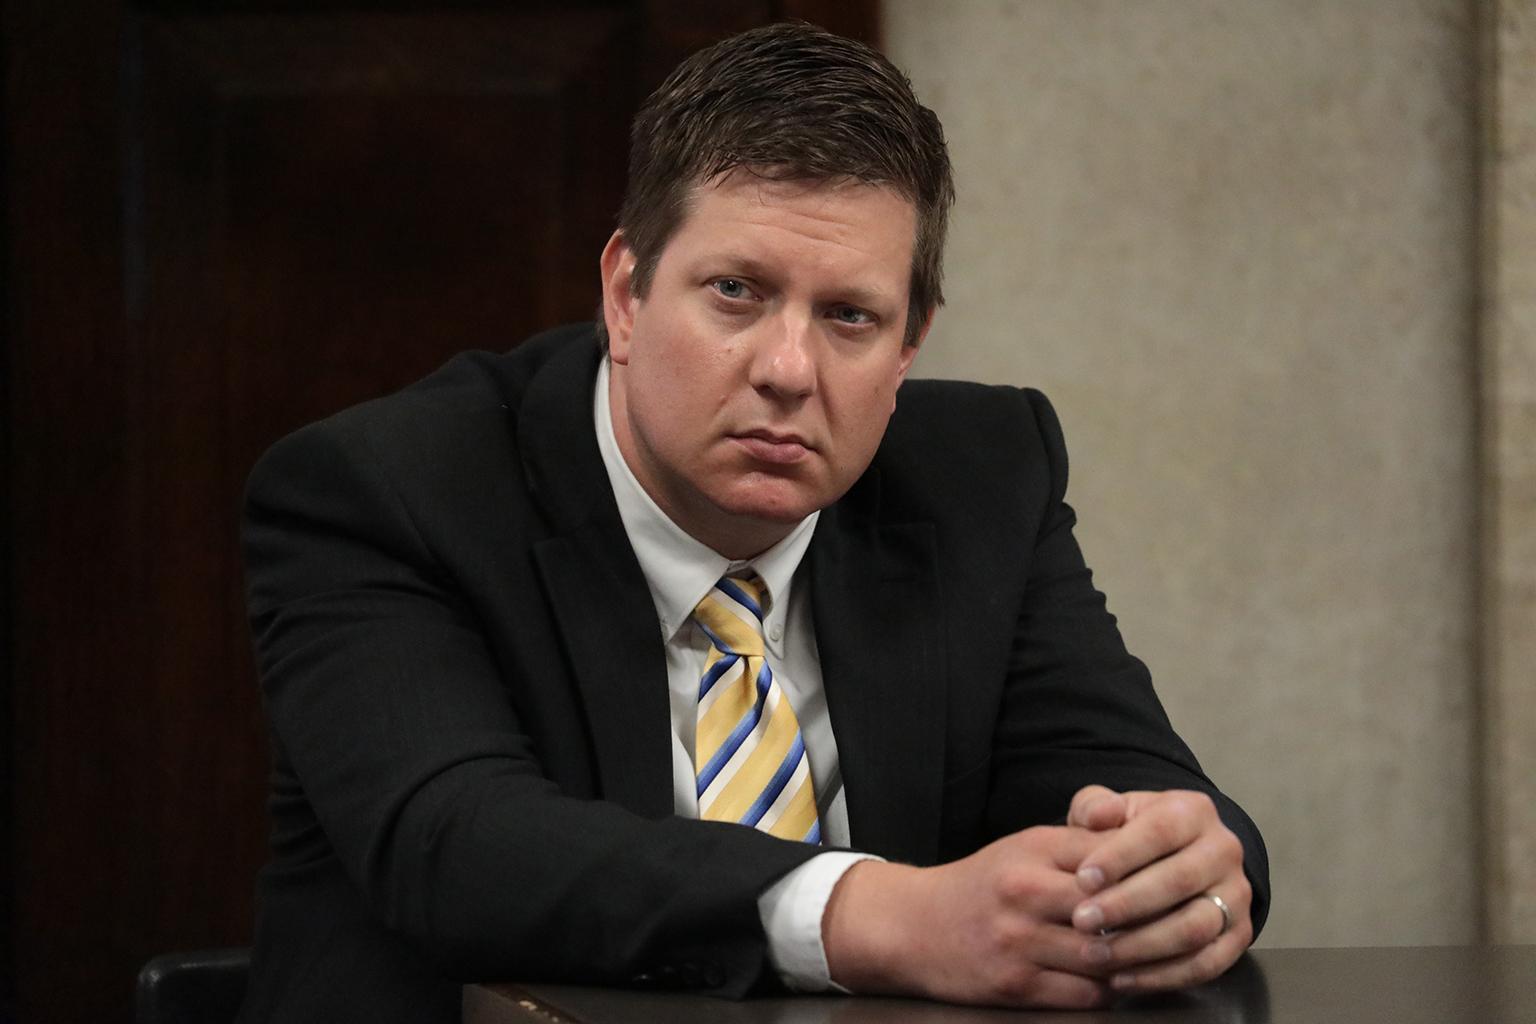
(1394, 985)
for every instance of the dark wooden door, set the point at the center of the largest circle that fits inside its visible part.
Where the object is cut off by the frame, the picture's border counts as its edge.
(224, 220)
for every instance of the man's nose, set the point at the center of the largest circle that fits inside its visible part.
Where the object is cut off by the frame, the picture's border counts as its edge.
(785, 362)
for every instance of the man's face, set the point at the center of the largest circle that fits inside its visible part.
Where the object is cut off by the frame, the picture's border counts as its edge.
(753, 382)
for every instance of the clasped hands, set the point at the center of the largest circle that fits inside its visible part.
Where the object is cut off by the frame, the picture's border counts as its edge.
(1068, 916)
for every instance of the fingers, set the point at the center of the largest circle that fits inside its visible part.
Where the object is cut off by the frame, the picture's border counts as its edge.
(1020, 949)
(1097, 808)
(1183, 931)
(1193, 968)
(1149, 878)
(1215, 858)
(1057, 990)
(1048, 965)
(1061, 847)
(1034, 870)
(1164, 823)
(1055, 947)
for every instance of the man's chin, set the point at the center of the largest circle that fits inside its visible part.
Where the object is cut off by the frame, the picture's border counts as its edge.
(772, 508)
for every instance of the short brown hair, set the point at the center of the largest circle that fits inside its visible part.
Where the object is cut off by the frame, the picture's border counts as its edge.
(788, 102)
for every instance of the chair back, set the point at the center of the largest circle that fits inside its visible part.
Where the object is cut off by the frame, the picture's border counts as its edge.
(205, 986)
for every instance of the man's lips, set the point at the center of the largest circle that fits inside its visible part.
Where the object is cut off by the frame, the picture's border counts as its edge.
(768, 446)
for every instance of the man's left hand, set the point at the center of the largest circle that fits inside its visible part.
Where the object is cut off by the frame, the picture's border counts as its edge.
(1148, 887)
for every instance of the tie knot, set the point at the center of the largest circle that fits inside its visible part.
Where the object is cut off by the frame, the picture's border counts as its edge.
(732, 614)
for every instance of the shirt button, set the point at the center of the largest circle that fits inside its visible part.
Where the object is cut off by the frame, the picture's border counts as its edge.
(776, 632)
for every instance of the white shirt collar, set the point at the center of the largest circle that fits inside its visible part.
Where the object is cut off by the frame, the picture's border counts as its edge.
(679, 569)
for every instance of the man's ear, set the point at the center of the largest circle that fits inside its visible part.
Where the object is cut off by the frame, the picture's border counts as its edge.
(909, 352)
(618, 269)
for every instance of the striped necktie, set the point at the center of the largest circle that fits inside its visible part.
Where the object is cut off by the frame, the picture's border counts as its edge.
(751, 758)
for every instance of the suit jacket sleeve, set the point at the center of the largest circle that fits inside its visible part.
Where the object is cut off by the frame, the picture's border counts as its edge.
(1077, 708)
(392, 723)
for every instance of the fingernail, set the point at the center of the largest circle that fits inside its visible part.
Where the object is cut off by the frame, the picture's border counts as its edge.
(1091, 879)
(1099, 953)
(1088, 917)
(1123, 981)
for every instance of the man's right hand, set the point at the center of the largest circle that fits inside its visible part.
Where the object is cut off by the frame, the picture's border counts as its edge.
(994, 928)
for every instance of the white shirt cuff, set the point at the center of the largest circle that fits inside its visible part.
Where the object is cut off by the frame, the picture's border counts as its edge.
(792, 909)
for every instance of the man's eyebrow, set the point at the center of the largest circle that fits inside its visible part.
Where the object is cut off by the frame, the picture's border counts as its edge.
(871, 297)
(741, 263)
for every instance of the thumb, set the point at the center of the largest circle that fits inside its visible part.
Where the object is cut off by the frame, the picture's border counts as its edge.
(1097, 808)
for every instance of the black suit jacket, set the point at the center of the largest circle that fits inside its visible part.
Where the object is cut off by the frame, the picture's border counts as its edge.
(467, 689)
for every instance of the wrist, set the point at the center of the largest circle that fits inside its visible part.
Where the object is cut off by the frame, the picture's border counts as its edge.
(864, 930)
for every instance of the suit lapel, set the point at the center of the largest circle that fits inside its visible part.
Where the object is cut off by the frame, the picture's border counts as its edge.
(606, 617)
(876, 603)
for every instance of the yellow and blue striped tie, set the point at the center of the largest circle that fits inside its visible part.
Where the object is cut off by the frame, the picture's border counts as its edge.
(751, 759)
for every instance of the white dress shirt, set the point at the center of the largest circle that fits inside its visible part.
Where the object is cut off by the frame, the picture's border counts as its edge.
(680, 571)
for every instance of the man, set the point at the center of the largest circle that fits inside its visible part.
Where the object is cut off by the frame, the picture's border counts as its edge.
(724, 660)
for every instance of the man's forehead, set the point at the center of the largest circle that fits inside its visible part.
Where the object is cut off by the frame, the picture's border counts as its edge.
(844, 210)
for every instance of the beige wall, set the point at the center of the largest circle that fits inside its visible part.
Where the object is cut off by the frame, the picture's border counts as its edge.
(1235, 242)
(1508, 352)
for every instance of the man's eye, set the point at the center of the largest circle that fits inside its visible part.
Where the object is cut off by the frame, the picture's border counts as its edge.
(731, 288)
(851, 315)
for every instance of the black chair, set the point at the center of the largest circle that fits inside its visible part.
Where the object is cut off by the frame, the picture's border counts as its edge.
(201, 987)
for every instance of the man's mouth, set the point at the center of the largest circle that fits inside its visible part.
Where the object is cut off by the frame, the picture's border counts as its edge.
(772, 446)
